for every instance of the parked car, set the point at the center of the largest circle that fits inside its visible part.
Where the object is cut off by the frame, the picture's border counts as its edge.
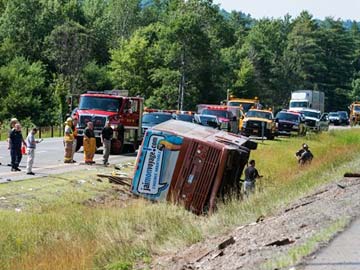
(152, 119)
(334, 118)
(207, 120)
(316, 121)
(289, 123)
(344, 118)
(187, 117)
(226, 118)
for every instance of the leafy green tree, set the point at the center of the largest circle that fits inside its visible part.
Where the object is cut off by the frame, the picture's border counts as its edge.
(261, 53)
(68, 49)
(124, 16)
(245, 83)
(166, 95)
(338, 48)
(131, 64)
(95, 77)
(24, 93)
(20, 23)
(355, 94)
(304, 54)
(8, 51)
(355, 84)
(99, 24)
(60, 89)
(191, 44)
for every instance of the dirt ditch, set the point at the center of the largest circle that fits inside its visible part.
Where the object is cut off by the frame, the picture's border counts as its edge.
(254, 245)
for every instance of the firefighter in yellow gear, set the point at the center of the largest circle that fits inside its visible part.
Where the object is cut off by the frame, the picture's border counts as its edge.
(89, 144)
(68, 140)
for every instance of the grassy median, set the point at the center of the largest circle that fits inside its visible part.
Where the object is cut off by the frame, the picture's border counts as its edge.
(55, 229)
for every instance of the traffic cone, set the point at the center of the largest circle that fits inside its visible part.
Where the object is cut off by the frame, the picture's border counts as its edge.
(23, 150)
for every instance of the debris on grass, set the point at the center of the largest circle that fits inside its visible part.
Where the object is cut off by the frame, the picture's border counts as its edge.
(121, 180)
(227, 243)
(352, 175)
(340, 186)
(282, 242)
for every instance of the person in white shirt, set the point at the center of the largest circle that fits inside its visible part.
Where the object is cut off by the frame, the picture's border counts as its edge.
(30, 147)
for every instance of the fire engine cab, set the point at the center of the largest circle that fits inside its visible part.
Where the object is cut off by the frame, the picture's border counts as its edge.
(123, 112)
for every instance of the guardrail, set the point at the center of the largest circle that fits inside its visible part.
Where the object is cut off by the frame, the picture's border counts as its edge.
(43, 132)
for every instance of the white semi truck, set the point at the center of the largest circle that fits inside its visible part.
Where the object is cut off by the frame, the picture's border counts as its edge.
(307, 99)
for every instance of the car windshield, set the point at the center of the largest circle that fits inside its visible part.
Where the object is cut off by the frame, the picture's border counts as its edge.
(99, 103)
(184, 117)
(259, 114)
(218, 113)
(287, 116)
(343, 114)
(357, 108)
(298, 104)
(155, 118)
(333, 114)
(311, 114)
(204, 119)
(246, 106)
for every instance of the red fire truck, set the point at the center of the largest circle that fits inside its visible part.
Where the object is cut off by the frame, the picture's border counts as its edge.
(123, 112)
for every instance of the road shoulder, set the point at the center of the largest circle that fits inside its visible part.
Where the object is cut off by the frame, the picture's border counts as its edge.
(276, 241)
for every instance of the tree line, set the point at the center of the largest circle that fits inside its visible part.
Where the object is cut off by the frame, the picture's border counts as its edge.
(52, 49)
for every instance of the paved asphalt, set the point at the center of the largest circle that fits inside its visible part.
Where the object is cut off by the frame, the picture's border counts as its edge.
(49, 160)
(343, 253)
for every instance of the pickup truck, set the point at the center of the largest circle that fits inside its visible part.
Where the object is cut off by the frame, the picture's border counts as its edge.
(315, 121)
(290, 123)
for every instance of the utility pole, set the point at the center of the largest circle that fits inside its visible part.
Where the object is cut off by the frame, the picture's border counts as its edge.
(227, 95)
(182, 84)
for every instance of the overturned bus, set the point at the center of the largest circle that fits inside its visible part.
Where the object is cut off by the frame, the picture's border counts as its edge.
(190, 164)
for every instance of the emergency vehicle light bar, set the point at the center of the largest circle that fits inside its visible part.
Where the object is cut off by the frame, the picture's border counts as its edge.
(123, 93)
(223, 108)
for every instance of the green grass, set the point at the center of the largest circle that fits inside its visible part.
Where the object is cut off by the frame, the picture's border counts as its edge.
(56, 230)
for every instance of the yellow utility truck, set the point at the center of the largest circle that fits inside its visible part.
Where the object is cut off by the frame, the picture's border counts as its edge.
(244, 103)
(259, 123)
(354, 113)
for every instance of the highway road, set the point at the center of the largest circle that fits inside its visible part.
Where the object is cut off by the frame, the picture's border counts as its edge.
(49, 160)
(342, 254)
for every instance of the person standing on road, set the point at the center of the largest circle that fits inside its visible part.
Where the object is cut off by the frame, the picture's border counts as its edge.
(251, 174)
(106, 136)
(89, 144)
(68, 140)
(31, 146)
(15, 141)
(13, 122)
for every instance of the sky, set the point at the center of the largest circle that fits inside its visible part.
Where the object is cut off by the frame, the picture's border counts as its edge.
(345, 9)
